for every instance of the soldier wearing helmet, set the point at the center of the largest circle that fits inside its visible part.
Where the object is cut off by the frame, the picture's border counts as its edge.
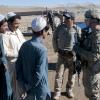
(90, 55)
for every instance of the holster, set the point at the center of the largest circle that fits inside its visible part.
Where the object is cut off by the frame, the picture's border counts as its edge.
(66, 54)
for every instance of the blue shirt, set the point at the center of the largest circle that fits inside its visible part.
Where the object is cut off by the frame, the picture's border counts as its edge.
(32, 65)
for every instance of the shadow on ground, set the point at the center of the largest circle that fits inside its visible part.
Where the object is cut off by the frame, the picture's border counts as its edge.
(62, 94)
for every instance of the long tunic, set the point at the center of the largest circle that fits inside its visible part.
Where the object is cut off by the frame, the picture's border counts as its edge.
(32, 66)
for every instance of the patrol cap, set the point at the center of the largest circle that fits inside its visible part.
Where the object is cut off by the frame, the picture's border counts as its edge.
(38, 24)
(69, 15)
(93, 14)
(2, 17)
(10, 14)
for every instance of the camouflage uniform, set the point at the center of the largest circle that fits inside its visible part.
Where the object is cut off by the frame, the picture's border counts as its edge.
(63, 42)
(90, 54)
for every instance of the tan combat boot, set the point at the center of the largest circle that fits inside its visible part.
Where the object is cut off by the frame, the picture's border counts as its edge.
(69, 93)
(57, 95)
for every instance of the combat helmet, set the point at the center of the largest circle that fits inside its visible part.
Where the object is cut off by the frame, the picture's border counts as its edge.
(93, 14)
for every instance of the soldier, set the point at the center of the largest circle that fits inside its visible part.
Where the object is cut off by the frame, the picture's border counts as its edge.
(63, 42)
(90, 55)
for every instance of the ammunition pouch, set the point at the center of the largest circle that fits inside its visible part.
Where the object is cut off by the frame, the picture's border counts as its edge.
(96, 67)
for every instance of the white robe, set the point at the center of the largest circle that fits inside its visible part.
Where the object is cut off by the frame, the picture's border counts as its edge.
(12, 42)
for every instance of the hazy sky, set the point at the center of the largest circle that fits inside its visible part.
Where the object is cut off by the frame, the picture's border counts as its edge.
(44, 2)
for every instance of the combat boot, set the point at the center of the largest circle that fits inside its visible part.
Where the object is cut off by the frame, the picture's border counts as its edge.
(69, 93)
(56, 96)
